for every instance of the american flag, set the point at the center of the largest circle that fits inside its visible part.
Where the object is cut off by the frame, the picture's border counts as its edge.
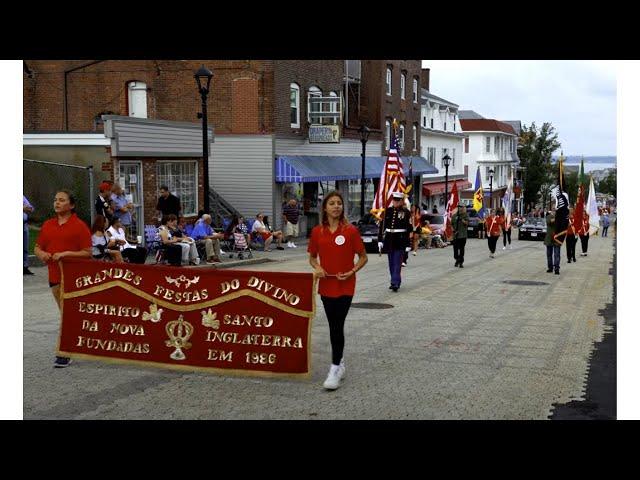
(391, 180)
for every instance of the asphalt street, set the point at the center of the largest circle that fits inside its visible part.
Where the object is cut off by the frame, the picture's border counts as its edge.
(455, 344)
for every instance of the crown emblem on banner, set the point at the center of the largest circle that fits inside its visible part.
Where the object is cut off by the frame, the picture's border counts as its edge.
(179, 332)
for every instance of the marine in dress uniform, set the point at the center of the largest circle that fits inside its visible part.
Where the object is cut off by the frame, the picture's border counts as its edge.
(393, 237)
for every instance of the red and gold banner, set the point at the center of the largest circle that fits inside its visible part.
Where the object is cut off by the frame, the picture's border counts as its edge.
(224, 321)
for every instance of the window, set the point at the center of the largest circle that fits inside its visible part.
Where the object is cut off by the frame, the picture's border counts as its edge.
(495, 145)
(401, 138)
(415, 138)
(403, 81)
(453, 157)
(454, 123)
(315, 107)
(445, 126)
(295, 105)
(137, 94)
(431, 156)
(432, 123)
(466, 145)
(415, 90)
(486, 176)
(387, 134)
(333, 108)
(487, 141)
(181, 178)
(388, 81)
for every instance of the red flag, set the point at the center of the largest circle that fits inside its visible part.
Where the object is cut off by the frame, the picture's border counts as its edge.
(452, 204)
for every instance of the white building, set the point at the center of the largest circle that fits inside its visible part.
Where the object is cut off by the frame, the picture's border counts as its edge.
(441, 135)
(491, 145)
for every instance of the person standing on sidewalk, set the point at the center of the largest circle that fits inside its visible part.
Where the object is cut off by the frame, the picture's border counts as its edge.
(553, 248)
(584, 233)
(459, 223)
(27, 208)
(291, 215)
(336, 242)
(605, 223)
(393, 237)
(492, 223)
(65, 235)
(571, 237)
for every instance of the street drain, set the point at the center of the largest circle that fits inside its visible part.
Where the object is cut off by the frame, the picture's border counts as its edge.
(372, 306)
(524, 282)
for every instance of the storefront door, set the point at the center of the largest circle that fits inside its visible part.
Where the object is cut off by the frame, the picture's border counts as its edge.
(130, 178)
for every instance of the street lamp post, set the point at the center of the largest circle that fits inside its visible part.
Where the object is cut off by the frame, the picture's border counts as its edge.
(446, 161)
(491, 172)
(364, 136)
(203, 79)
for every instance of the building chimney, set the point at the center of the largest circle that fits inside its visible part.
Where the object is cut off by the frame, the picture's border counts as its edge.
(424, 78)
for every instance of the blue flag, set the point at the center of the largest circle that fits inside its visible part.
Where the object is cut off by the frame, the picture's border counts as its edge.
(478, 196)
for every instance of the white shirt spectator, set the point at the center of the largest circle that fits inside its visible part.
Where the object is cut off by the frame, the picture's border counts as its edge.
(112, 233)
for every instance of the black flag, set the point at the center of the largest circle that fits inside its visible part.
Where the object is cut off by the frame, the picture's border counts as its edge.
(562, 206)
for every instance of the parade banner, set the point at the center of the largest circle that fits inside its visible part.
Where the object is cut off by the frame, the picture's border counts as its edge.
(222, 321)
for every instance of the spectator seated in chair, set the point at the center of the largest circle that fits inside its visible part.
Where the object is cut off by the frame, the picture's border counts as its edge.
(131, 253)
(177, 248)
(203, 234)
(102, 247)
(259, 228)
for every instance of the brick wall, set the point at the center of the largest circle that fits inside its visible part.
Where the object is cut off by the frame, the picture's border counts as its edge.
(171, 93)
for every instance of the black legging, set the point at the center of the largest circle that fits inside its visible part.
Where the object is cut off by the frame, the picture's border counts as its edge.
(336, 310)
(571, 247)
(506, 234)
(584, 241)
(493, 241)
(135, 255)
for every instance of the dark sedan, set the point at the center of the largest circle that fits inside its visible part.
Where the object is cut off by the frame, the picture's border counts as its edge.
(369, 232)
(533, 228)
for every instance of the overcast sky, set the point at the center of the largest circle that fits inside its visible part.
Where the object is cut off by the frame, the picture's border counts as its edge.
(577, 97)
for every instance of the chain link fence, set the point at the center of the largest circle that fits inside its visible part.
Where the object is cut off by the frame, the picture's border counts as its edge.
(41, 181)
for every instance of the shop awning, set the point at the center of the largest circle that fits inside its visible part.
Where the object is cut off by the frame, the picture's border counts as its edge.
(429, 189)
(298, 168)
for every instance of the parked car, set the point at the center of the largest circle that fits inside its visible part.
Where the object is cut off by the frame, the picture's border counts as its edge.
(474, 222)
(436, 223)
(534, 228)
(369, 232)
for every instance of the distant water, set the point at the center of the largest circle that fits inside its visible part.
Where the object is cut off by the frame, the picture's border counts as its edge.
(592, 163)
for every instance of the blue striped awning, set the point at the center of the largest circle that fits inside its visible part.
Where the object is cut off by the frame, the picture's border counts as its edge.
(300, 168)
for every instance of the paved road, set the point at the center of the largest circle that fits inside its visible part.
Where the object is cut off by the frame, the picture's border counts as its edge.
(457, 344)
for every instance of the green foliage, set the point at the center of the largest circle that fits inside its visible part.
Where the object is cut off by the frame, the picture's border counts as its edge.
(571, 186)
(537, 148)
(609, 184)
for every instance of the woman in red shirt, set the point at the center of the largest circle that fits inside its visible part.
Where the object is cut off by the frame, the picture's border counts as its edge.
(493, 225)
(336, 241)
(63, 236)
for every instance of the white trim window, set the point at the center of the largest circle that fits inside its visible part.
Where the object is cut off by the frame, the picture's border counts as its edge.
(294, 94)
(333, 108)
(431, 156)
(415, 138)
(495, 145)
(315, 107)
(388, 81)
(401, 138)
(487, 143)
(387, 134)
(403, 82)
(445, 151)
(137, 93)
(415, 90)
(182, 179)
(453, 158)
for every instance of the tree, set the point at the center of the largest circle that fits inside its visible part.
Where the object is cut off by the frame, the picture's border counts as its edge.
(608, 185)
(535, 154)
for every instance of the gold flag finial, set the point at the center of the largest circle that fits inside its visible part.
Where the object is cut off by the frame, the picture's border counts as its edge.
(395, 125)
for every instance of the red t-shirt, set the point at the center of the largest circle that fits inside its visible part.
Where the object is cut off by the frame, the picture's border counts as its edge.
(73, 235)
(336, 251)
(493, 225)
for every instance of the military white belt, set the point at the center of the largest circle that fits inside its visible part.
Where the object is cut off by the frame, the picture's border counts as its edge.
(396, 230)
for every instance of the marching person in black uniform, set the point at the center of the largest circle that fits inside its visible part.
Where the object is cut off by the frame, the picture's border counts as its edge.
(393, 237)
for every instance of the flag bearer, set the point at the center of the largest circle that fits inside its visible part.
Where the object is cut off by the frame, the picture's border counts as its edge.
(393, 237)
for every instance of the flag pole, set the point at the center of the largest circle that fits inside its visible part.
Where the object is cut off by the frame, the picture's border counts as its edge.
(386, 191)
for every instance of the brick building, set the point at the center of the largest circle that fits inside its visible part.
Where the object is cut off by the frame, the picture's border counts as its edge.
(273, 121)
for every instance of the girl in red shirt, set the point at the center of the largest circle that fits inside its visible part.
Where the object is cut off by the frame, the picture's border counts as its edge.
(65, 235)
(336, 241)
(493, 225)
